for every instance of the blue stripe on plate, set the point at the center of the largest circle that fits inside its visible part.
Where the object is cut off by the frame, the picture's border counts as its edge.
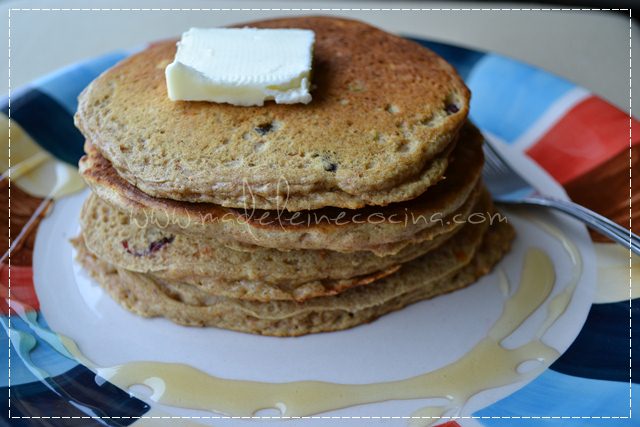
(556, 394)
(77, 392)
(601, 350)
(65, 85)
(29, 351)
(37, 402)
(461, 58)
(509, 96)
(41, 386)
(48, 123)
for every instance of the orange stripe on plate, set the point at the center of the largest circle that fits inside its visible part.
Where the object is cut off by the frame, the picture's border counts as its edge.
(592, 132)
(21, 287)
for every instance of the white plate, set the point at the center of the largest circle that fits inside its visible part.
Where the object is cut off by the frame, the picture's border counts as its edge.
(412, 341)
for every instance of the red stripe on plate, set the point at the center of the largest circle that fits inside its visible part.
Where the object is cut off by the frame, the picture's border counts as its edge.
(592, 132)
(22, 289)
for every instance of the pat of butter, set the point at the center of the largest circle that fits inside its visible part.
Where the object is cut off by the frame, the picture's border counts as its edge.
(242, 66)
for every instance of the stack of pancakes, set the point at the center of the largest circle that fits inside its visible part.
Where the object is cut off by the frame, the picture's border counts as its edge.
(287, 219)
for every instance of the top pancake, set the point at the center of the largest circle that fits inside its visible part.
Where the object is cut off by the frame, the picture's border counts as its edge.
(384, 110)
(382, 230)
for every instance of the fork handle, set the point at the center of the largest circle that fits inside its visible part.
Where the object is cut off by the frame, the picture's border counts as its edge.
(593, 220)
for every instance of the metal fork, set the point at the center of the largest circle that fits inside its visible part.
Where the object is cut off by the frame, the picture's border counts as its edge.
(507, 186)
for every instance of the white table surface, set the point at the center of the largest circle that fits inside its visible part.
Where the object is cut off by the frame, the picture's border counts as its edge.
(591, 48)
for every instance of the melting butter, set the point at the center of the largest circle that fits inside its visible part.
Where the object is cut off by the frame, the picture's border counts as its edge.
(536, 282)
(503, 282)
(488, 365)
(558, 305)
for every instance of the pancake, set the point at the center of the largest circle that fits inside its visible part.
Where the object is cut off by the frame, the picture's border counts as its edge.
(384, 112)
(255, 290)
(334, 229)
(453, 266)
(112, 237)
